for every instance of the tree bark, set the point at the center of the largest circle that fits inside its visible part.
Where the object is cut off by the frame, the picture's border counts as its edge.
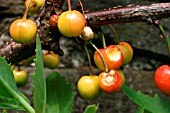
(129, 14)
(146, 13)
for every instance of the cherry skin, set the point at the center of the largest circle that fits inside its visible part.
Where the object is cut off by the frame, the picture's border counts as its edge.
(50, 59)
(53, 22)
(71, 23)
(127, 52)
(162, 78)
(122, 75)
(110, 82)
(35, 5)
(88, 87)
(112, 56)
(23, 31)
(20, 77)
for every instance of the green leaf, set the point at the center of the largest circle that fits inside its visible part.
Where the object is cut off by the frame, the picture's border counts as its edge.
(9, 90)
(152, 104)
(10, 103)
(59, 94)
(4, 111)
(140, 110)
(4, 92)
(7, 82)
(39, 81)
(91, 109)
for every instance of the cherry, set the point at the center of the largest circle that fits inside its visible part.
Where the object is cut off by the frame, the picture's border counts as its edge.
(23, 30)
(112, 56)
(53, 22)
(50, 59)
(35, 5)
(71, 23)
(127, 52)
(110, 82)
(88, 87)
(162, 78)
(20, 77)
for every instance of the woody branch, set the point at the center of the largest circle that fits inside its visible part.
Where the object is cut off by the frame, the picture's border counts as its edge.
(145, 13)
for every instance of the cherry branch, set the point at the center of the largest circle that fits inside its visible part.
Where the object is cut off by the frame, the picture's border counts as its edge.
(129, 14)
(50, 40)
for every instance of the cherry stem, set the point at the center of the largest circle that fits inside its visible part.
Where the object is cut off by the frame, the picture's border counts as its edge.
(49, 52)
(117, 38)
(89, 59)
(82, 8)
(103, 40)
(26, 11)
(69, 5)
(19, 66)
(3, 32)
(166, 38)
(104, 62)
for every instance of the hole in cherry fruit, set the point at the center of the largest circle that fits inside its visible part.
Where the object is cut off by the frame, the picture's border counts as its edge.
(114, 54)
(109, 78)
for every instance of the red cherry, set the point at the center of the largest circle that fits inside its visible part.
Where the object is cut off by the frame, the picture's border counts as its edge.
(162, 79)
(110, 82)
(112, 56)
(53, 22)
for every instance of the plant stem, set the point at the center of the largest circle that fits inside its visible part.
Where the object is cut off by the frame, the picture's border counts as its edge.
(89, 59)
(103, 40)
(167, 40)
(19, 66)
(117, 38)
(3, 32)
(26, 11)
(54, 6)
(82, 9)
(106, 68)
(69, 5)
(20, 99)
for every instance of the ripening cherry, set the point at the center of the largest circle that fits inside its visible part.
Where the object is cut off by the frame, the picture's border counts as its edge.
(20, 77)
(110, 82)
(71, 23)
(35, 5)
(88, 87)
(127, 52)
(50, 59)
(112, 56)
(23, 30)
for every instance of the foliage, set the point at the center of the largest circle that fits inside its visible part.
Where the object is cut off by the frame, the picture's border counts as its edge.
(52, 93)
(59, 97)
(152, 104)
(9, 93)
(91, 109)
(39, 81)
